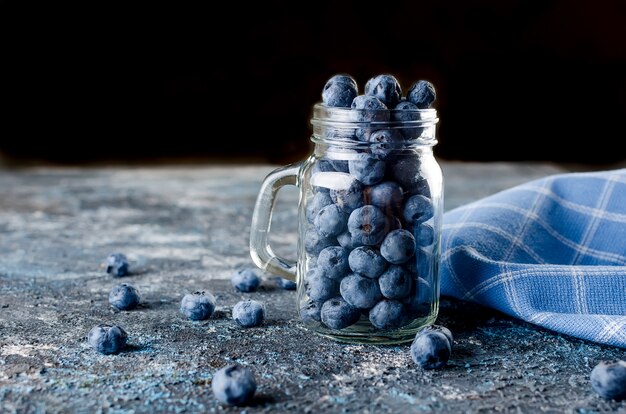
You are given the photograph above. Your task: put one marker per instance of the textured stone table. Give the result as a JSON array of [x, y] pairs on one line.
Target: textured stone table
[[185, 229]]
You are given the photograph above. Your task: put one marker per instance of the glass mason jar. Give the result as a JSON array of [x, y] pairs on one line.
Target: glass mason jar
[[369, 225]]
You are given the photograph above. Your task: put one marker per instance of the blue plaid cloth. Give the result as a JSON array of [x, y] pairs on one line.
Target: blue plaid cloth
[[551, 252]]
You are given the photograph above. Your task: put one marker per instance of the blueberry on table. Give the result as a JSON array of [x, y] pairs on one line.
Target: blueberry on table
[[124, 297], [367, 261], [387, 196], [367, 225], [387, 314], [398, 246], [320, 288], [286, 284], [310, 311], [367, 169], [198, 306], [333, 262], [248, 313], [318, 202], [360, 292], [443, 330], [314, 242], [245, 280], [608, 379], [336, 313], [417, 209], [386, 88], [234, 385], [330, 220], [422, 94], [107, 339], [395, 282], [430, 349], [117, 264]]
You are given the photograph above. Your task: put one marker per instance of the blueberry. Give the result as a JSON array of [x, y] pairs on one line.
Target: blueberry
[[310, 311], [339, 91], [387, 314], [443, 330], [349, 198], [197, 306], [386, 88], [234, 385], [407, 112], [384, 142], [333, 262], [124, 297], [330, 221], [367, 169], [422, 94], [371, 109], [286, 284], [395, 282], [107, 339], [319, 201], [608, 379], [405, 170], [336, 313], [398, 246], [425, 235], [117, 264], [245, 280], [430, 349], [367, 225], [417, 209], [320, 288], [248, 313], [314, 242], [342, 78], [345, 240], [360, 292], [367, 261], [387, 196]]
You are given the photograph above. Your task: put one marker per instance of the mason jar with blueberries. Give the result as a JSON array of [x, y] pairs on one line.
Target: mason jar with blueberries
[[370, 211]]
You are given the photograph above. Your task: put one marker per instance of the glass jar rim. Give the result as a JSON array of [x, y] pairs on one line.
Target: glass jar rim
[[338, 125], [349, 118]]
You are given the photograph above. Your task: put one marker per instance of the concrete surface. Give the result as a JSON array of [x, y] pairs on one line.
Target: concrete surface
[[186, 229]]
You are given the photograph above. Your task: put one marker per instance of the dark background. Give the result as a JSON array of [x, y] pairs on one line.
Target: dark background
[[516, 80]]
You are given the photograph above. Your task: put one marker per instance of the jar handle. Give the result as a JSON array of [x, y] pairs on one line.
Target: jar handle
[[260, 250]]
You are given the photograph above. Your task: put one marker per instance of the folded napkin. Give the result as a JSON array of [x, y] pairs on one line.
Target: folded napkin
[[551, 252]]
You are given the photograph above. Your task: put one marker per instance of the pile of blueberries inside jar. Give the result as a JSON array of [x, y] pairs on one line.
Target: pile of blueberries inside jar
[[370, 245], [359, 254]]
